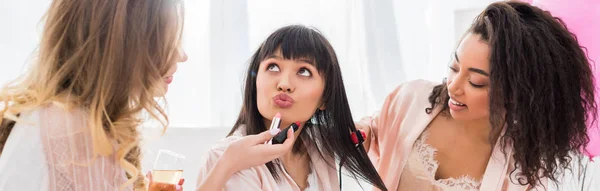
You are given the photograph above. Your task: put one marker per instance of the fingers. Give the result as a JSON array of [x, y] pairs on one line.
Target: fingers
[[179, 186], [274, 151], [164, 187], [264, 136], [158, 186], [366, 133], [289, 141]]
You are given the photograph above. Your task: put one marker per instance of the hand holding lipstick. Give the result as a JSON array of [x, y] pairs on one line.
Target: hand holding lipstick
[[275, 125], [245, 153], [251, 151], [280, 137]]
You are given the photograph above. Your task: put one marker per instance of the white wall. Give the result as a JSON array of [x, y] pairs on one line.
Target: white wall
[[20, 21]]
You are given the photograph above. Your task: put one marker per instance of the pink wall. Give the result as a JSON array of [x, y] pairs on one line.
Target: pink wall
[[583, 19]]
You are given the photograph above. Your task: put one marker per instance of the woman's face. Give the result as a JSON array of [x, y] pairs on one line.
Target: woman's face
[[168, 77], [292, 88], [469, 80]]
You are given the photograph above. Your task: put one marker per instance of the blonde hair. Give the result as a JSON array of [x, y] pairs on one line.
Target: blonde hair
[[108, 58]]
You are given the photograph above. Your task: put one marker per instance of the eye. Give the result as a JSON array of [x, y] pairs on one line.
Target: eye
[[476, 85], [273, 68], [453, 69], [305, 72]]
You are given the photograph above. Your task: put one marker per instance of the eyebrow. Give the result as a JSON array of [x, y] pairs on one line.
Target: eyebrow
[[280, 58], [476, 70], [456, 57], [479, 71]]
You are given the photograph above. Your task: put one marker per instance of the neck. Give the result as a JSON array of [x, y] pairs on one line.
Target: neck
[[291, 157], [478, 130], [296, 164]]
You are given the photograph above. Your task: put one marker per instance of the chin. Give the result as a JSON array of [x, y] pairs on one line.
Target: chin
[[460, 116], [166, 88], [466, 116]]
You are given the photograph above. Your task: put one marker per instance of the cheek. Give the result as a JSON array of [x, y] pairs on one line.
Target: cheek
[[172, 70], [312, 97], [262, 94], [482, 102], [315, 98]]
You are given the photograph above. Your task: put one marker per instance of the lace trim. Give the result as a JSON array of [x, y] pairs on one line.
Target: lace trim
[[427, 153], [61, 151], [67, 147]]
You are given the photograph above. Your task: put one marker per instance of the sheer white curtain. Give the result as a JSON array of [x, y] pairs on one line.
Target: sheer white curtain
[[380, 44], [361, 32], [208, 88]]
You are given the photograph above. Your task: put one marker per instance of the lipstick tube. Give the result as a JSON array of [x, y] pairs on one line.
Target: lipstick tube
[[274, 124], [280, 138]]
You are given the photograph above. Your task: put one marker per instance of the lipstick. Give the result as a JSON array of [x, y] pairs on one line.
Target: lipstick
[[274, 124], [280, 138]]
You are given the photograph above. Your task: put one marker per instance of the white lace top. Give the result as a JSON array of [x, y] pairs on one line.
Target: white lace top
[[419, 172], [50, 149]]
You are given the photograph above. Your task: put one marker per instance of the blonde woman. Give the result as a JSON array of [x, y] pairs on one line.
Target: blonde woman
[[71, 122]]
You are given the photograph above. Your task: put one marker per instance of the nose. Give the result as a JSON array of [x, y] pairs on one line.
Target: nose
[[285, 84], [183, 56], [454, 85]]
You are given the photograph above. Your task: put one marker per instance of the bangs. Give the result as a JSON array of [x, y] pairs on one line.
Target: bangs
[[298, 43]]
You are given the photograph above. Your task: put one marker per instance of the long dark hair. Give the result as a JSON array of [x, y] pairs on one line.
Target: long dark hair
[[330, 128], [542, 88]]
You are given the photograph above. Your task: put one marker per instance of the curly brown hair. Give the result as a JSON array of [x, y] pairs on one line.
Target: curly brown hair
[[541, 92]]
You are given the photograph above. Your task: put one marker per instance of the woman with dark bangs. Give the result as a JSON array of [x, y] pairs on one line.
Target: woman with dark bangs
[[295, 75]]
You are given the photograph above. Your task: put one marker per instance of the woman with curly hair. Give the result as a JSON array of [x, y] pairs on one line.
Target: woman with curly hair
[[511, 115]]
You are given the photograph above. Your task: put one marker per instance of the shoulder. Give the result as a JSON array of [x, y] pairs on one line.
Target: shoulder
[[58, 120], [415, 88], [220, 146], [217, 149], [411, 95], [247, 178]]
